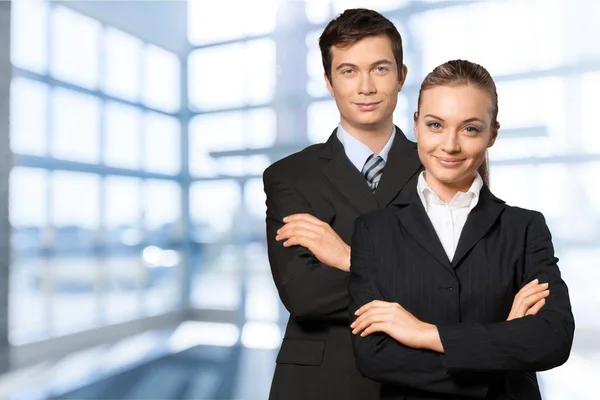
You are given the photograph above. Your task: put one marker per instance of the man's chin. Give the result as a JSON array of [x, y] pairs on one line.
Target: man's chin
[[371, 122]]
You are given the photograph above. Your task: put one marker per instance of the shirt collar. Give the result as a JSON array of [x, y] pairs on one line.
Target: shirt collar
[[461, 199], [358, 152]]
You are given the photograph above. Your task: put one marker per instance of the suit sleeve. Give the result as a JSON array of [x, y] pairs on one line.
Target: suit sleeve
[[536, 342], [307, 288], [382, 358]]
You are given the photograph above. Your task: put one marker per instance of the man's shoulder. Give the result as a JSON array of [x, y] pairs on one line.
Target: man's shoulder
[[296, 164]]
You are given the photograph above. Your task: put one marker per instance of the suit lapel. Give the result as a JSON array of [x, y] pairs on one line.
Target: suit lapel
[[346, 178], [414, 219], [479, 222], [402, 163]]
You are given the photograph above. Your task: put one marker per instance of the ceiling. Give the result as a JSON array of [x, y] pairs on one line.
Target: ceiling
[[162, 22]]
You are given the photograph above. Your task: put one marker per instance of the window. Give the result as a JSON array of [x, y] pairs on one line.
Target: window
[[217, 21], [28, 197], [515, 184], [29, 27], [161, 79], [122, 208], [28, 117], [162, 209], [75, 126], [75, 211], [162, 141], [122, 263], [255, 198], [74, 47], [28, 218], [75, 200], [233, 75], [161, 258], [590, 139], [122, 64], [316, 86], [536, 30], [536, 103], [122, 135], [217, 221], [245, 129], [380, 5], [323, 118], [318, 11]]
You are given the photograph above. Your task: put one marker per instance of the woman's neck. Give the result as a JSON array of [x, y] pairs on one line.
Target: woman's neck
[[447, 190]]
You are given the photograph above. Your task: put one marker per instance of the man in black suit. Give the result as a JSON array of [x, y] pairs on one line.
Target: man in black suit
[[315, 196]]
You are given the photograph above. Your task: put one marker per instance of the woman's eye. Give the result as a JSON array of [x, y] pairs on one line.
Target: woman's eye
[[434, 125]]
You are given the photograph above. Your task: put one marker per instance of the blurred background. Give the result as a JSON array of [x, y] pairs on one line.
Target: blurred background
[[134, 135]]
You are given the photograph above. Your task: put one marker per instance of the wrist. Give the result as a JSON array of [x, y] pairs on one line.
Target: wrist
[[345, 264], [431, 338]]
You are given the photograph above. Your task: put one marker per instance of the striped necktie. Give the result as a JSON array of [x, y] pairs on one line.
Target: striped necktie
[[372, 170]]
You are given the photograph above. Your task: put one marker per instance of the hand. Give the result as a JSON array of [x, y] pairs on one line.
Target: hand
[[318, 237], [530, 299], [394, 320]]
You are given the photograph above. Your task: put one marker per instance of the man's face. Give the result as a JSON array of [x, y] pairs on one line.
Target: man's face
[[365, 81]]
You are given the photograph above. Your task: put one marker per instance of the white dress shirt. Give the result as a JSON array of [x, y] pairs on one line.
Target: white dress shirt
[[358, 152], [448, 220]]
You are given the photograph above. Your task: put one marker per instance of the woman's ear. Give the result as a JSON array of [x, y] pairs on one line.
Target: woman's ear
[[494, 134], [415, 119]]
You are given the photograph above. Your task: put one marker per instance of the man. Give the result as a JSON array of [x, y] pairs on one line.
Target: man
[[314, 197]]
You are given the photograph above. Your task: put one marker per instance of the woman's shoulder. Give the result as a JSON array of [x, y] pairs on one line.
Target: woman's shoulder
[[522, 216], [378, 218]]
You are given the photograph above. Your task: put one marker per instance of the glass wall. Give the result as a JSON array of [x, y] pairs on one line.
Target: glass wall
[[95, 192], [136, 171]]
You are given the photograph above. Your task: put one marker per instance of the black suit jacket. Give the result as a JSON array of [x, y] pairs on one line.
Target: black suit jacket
[[315, 360], [397, 257]]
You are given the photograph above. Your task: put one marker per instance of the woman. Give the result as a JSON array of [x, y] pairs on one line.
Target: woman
[[433, 279]]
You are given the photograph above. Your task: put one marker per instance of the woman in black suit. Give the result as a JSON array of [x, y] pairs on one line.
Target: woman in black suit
[[433, 279]]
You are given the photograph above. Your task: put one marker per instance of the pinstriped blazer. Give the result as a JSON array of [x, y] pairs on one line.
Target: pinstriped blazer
[[397, 257]]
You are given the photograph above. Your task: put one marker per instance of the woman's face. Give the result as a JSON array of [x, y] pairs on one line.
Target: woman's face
[[454, 129]]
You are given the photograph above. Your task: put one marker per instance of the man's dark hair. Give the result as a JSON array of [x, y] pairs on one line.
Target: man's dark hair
[[356, 24]]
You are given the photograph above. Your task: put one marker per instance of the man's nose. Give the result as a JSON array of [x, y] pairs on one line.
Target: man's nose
[[366, 84]]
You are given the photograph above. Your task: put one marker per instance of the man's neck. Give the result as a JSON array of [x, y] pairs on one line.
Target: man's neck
[[374, 137]]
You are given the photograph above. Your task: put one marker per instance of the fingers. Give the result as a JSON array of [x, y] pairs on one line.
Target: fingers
[[531, 284], [534, 299], [296, 231], [536, 307], [527, 299], [303, 217], [372, 304], [377, 327], [374, 316], [529, 291], [295, 227]]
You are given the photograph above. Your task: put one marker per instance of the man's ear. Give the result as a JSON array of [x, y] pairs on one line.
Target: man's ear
[[402, 72]]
